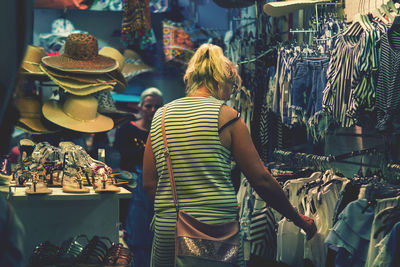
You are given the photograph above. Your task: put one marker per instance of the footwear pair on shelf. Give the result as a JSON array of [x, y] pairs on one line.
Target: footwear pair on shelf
[[74, 180], [79, 251], [68, 166]]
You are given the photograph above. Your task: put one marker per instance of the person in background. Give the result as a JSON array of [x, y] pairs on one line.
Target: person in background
[[130, 140], [16, 19], [203, 133]]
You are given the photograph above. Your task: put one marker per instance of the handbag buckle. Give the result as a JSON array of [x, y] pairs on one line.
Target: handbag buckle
[[166, 152]]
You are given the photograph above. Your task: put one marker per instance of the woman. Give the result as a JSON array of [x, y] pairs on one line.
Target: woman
[[130, 140], [202, 135]]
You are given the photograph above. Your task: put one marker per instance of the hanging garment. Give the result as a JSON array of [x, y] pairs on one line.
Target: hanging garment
[[136, 23], [159, 6], [340, 75], [309, 81], [388, 87], [177, 43], [350, 236], [378, 221]]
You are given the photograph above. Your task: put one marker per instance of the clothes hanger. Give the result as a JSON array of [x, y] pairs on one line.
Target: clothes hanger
[[380, 15], [392, 7], [387, 12]]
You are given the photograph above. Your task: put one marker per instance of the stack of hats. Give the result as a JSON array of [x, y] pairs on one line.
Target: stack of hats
[[86, 75], [31, 119]]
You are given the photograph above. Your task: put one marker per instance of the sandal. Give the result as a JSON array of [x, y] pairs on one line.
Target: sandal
[[103, 182], [44, 254], [71, 249], [38, 187], [73, 183], [94, 253], [118, 256], [26, 147]]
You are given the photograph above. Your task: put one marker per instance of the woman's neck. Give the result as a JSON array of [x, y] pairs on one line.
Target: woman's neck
[[201, 91]]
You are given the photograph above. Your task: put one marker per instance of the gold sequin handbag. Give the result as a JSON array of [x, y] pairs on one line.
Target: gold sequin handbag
[[198, 243]]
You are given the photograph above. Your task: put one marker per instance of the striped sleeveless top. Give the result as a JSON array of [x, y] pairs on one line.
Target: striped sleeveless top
[[201, 164]]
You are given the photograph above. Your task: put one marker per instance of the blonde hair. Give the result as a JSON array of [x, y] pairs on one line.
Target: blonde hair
[[152, 91], [210, 68]]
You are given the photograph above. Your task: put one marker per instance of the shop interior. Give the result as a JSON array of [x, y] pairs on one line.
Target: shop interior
[[318, 95]]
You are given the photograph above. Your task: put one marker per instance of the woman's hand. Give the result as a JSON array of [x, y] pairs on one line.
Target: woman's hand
[[307, 224]]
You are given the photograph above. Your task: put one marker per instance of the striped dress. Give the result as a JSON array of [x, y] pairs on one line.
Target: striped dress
[[201, 166]]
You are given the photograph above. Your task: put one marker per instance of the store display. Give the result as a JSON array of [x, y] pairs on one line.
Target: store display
[[298, 92], [68, 166], [78, 113]]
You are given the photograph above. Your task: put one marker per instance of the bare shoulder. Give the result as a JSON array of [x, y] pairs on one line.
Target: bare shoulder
[[227, 113]]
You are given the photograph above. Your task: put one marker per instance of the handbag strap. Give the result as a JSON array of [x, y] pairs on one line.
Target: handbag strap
[[168, 159]]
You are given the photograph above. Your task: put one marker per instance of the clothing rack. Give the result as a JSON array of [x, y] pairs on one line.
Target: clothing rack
[[257, 57], [391, 172], [321, 162]]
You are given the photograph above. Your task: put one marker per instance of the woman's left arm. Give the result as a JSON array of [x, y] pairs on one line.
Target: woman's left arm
[[150, 177]]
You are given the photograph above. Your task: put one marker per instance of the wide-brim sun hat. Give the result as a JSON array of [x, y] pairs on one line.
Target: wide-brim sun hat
[[134, 65], [116, 74], [31, 62], [81, 56], [78, 113], [79, 84], [31, 119], [277, 9]]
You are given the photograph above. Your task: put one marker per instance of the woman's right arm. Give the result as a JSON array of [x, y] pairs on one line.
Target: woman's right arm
[[261, 180]]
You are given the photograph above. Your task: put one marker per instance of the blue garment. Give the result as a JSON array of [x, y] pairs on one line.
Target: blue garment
[[139, 237], [309, 81], [392, 243], [352, 233]]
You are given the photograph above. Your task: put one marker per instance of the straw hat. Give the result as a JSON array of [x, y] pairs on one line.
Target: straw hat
[[31, 119], [116, 74], [108, 108], [234, 3], [134, 65], [78, 113], [277, 9], [32, 59], [79, 84], [81, 56]]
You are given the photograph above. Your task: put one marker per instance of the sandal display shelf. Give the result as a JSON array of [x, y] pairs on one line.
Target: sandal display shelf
[[59, 216]]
